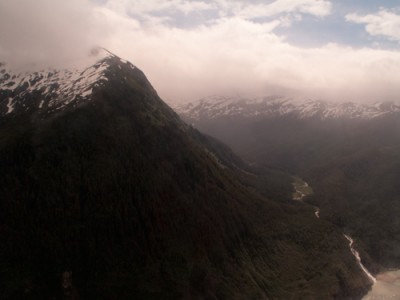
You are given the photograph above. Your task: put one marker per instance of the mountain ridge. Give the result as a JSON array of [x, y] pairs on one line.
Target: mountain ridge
[[279, 106], [350, 160]]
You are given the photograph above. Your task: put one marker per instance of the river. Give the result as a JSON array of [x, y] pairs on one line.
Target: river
[[387, 284]]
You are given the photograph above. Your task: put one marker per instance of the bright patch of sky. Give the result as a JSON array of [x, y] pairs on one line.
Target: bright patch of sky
[[340, 27], [306, 23]]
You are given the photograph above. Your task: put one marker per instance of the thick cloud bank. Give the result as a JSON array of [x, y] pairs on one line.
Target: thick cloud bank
[[191, 49], [47, 31]]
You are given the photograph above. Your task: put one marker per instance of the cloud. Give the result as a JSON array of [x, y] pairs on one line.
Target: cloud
[[311, 7], [248, 9], [234, 55], [140, 7], [384, 23], [47, 30], [285, 9], [223, 53]]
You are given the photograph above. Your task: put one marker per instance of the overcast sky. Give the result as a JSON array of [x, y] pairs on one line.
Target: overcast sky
[[341, 50]]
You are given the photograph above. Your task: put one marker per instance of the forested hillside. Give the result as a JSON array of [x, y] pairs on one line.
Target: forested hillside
[[351, 163], [113, 196]]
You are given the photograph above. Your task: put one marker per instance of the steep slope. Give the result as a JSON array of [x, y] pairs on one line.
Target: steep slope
[[351, 160], [107, 194]]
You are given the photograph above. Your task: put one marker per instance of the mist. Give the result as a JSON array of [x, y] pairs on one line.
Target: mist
[[227, 54], [47, 33]]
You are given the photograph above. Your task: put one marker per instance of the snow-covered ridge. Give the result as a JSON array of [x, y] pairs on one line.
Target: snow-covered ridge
[[219, 106], [52, 89]]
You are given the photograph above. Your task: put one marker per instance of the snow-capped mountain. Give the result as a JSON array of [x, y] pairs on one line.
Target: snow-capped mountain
[[272, 106], [52, 90]]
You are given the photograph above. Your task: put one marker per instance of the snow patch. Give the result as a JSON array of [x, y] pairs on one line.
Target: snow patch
[[58, 87], [10, 105], [87, 93], [215, 106]]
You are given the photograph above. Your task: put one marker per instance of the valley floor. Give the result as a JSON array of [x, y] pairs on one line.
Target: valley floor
[[387, 287]]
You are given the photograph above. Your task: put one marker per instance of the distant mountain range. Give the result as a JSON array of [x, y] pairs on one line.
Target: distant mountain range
[[278, 106], [107, 194], [348, 152]]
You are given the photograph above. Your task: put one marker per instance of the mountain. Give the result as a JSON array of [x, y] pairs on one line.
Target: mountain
[[278, 106], [49, 90], [107, 194], [347, 152]]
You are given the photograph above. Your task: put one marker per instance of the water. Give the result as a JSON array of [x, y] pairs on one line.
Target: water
[[386, 287], [358, 258]]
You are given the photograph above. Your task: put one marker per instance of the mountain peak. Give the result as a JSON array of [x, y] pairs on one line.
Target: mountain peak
[[53, 89]]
